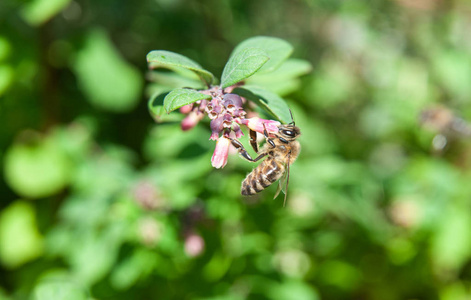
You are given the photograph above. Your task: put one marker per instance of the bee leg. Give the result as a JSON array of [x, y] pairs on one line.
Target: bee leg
[[269, 140], [244, 152], [253, 140]]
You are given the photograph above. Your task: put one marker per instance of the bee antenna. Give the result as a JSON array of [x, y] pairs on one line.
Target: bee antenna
[[292, 119]]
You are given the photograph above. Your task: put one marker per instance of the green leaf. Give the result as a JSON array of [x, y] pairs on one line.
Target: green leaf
[[242, 65], [94, 254], [283, 80], [133, 268], [269, 101], [5, 48], [59, 288], [7, 75], [281, 88], [107, 80], [453, 70], [292, 290], [451, 247], [38, 169], [157, 111], [289, 69], [277, 50], [20, 240], [180, 97], [167, 59], [39, 11], [342, 275], [156, 106], [175, 80]]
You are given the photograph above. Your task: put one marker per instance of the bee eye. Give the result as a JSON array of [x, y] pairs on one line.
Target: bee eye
[[288, 133]]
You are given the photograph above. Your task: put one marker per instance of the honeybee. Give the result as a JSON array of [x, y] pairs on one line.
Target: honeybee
[[281, 151]]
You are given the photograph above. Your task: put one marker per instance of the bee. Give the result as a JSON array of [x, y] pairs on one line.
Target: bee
[[281, 150]]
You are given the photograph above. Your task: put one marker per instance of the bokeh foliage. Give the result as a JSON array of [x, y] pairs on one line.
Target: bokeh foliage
[[100, 202]]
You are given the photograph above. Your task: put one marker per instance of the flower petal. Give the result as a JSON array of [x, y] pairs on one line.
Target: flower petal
[[221, 152], [257, 124], [191, 120]]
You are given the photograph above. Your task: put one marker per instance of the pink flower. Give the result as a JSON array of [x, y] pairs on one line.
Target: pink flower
[[256, 124], [186, 108], [237, 131], [221, 152], [232, 100], [191, 120], [227, 121], [216, 127], [194, 245]]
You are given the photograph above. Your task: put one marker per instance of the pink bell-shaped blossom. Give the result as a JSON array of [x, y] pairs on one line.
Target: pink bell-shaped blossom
[[257, 124], [185, 109], [221, 152], [237, 131], [216, 126], [191, 120], [194, 245]]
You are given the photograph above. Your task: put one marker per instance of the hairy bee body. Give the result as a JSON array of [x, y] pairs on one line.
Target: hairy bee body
[[262, 177], [281, 151]]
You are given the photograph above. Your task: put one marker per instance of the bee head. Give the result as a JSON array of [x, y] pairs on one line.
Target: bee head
[[289, 132]]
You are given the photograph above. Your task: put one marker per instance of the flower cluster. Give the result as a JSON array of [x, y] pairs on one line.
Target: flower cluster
[[224, 113], [227, 114]]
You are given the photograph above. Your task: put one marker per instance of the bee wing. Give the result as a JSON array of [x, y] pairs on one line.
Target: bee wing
[[282, 186]]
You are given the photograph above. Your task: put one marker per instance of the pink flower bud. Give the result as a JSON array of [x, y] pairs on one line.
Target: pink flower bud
[[203, 105], [227, 121], [232, 99], [221, 152], [256, 124], [214, 136], [212, 115], [216, 127], [191, 120], [194, 245], [230, 107], [237, 131], [186, 108], [218, 109], [239, 113], [212, 103]]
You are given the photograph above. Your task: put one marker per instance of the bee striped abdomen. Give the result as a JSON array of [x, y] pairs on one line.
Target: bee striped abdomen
[[262, 176]]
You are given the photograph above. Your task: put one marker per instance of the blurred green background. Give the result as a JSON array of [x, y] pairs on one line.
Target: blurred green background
[[100, 202]]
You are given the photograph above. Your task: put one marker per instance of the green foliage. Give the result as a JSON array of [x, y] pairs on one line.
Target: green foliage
[[270, 101], [56, 284], [20, 240], [277, 50], [46, 164], [100, 202], [284, 79], [39, 11], [160, 58], [108, 81], [180, 97], [267, 56], [243, 64]]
